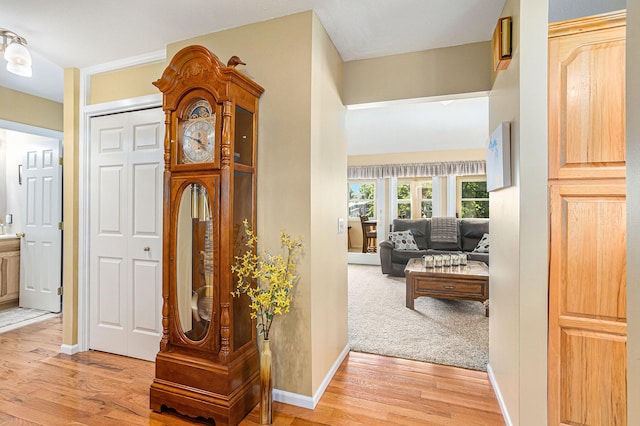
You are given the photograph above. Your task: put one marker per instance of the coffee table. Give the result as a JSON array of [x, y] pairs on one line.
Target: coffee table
[[468, 282]]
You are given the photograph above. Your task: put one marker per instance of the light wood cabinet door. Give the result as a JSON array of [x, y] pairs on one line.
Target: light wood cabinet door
[[9, 272], [587, 276], [587, 305], [587, 98]]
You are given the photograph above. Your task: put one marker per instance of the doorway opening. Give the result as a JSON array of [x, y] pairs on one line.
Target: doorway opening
[[30, 223]]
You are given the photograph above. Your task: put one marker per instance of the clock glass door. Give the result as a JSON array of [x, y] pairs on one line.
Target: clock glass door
[[194, 262], [243, 137]]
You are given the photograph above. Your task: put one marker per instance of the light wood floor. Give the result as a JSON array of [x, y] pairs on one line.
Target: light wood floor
[[41, 386]]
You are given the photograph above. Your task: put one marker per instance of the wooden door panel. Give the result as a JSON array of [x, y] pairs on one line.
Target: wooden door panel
[[590, 84], [594, 249], [587, 104], [593, 389], [587, 305]]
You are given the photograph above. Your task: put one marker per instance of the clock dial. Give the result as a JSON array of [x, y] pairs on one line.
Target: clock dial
[[198, 141], [199, 109]]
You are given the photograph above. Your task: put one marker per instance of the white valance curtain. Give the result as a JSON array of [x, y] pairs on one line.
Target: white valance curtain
[[448, 168]]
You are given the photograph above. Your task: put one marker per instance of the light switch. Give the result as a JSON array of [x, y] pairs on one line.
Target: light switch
[[340, 225], [8, 219]]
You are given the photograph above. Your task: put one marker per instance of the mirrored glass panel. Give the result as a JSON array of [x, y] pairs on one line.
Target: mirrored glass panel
[[194, 262]]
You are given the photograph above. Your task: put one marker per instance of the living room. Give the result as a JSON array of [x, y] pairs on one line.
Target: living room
[[405, 179], [424, 133]]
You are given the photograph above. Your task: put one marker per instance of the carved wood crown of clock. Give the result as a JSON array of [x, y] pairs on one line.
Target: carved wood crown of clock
[[198, 134]]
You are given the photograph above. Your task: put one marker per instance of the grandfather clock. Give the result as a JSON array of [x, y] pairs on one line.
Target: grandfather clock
[[207, 365]]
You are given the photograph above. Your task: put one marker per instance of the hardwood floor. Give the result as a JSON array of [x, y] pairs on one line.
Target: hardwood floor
[[41, 386]]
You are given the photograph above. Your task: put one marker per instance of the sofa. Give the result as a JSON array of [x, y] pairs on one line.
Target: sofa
[[470, 232]]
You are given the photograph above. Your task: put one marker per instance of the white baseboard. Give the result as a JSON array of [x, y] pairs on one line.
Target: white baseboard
[[496, 389], [70, 349], [293, 399], [307, 401]]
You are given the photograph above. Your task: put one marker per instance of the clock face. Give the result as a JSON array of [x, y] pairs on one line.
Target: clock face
[[198, 133], [198, 140]]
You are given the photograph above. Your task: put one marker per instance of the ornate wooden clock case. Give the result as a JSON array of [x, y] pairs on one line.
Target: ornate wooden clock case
[[207, 365]]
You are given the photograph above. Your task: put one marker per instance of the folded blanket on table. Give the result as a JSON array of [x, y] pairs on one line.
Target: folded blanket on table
[[444, 229]]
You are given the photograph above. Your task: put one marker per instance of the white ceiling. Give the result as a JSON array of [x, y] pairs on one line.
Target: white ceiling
[[70, 33], [410, 127]]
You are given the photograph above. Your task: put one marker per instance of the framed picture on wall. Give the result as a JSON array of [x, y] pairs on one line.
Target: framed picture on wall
[[499, 157]]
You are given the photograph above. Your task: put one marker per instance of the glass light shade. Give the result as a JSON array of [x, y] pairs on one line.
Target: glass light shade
[[21, 70], [18, 59], [18, 54]]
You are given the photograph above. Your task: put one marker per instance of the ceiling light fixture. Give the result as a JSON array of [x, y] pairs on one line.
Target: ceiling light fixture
[[15, 52]]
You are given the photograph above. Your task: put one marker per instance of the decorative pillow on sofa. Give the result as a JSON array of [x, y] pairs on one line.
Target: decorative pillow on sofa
[[483, 245], [403, 240]]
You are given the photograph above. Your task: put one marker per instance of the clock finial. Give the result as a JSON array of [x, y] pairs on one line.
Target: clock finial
[[234, 61]]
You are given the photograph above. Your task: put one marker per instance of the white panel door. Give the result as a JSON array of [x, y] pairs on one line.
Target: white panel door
[[125, 247], [41, 247]]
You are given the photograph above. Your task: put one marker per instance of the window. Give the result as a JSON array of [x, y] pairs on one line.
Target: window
[[362, 196], [426, 198], [414, 198], [473, 196], [404, 200]]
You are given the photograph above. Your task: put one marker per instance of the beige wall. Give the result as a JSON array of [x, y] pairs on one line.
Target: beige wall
[[534, 214], [70, 206], [504, 349], [446, 71], [633, 210], [518, 328], [329, 334], [22, 108], [125, 83]]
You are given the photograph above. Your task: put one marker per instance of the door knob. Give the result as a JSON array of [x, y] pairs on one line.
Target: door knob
[[20, 234], [147, 248]]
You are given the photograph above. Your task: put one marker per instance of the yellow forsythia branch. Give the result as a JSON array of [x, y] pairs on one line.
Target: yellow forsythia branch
[[267, 279]]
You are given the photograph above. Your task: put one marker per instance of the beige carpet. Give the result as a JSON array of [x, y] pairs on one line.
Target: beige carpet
[[449, 332]]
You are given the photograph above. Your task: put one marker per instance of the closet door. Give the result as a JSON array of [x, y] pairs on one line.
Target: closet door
[[125, 289], [587, 277]]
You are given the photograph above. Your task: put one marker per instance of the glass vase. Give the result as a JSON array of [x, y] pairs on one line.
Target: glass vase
[[266, 385]]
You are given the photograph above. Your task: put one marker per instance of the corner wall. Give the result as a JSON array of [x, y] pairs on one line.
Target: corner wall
[[519, 223], [328, 254], [70, 203]]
